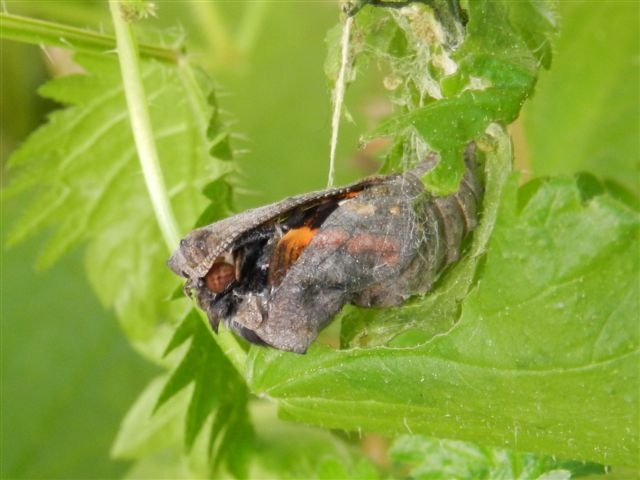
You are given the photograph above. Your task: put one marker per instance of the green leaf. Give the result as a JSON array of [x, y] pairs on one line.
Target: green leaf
[[480, 367], [219, 193], [183, 332], [143, 432], [334, 467], [495, 72], [433, 459], [585, 113], [91, 190], [543, 356], [154, 440], [288, 451], [87, 187], [218, 388]]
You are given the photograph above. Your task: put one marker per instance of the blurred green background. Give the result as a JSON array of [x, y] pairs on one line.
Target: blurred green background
[[68, 373]]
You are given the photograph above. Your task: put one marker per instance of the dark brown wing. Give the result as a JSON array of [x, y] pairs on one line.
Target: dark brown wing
[[199, 249]]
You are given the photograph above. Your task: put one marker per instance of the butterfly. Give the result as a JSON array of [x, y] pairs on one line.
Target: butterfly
[[277, 274]]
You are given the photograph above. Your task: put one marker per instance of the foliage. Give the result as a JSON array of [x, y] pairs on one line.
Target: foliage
[[83, 163], [529, 343], [427, 458], [533, 351]]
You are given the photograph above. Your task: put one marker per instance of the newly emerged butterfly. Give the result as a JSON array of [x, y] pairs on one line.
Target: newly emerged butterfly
[[277, 274]]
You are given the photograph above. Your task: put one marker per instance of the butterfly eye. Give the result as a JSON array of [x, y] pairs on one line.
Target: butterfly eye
[[220, 275]]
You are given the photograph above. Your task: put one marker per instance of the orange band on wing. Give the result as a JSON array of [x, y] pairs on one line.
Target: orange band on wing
[[287, 251]]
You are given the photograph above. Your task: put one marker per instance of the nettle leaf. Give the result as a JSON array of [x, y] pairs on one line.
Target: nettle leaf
[[286, 450], [86, 184], [452, 86], [256, 445], [543, 358], [217, 388], [144, 433], [455, 92], [426, 458], [88, 187]]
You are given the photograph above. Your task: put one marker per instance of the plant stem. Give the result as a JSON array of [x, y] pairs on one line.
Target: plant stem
[[39, 32], [338, 98], [141, 126], [148, 155]]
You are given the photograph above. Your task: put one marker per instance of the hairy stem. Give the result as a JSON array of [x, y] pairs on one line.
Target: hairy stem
[[148, 154], [141, 126]]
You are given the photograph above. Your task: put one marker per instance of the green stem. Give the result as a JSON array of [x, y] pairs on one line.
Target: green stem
[[141, 126], [39, 32], [148, 155]]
